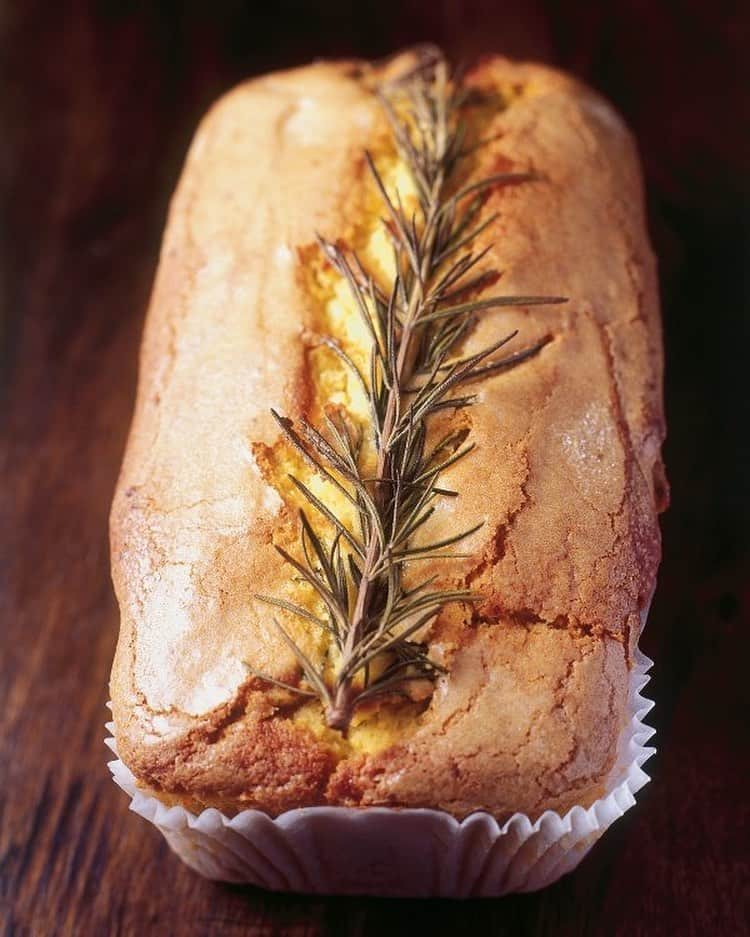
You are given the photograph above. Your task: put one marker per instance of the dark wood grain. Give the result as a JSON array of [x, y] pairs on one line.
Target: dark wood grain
[[97, 104]]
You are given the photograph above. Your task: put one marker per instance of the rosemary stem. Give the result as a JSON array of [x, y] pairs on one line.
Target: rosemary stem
[[339, 713]]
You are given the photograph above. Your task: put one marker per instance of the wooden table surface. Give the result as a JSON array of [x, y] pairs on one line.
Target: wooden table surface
[[97, 104]]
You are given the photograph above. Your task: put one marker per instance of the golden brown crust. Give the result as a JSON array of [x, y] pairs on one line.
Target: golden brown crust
[[567, 472], [527, 725]]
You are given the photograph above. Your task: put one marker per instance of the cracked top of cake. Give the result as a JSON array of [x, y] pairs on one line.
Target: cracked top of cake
[[566, 475]]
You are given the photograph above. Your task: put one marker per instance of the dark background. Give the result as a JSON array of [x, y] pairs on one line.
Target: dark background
[[97, 105]]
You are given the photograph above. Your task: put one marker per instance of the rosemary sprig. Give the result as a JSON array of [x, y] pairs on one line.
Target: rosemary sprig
[[371, 618]]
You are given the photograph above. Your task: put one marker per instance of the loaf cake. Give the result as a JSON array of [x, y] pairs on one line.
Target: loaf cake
[[512, 697]]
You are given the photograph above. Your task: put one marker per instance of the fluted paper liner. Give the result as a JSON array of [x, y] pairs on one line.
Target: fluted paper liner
[[400, 852]]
